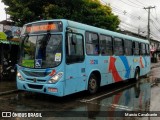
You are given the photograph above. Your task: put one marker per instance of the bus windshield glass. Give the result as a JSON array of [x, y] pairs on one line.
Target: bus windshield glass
[[41, 51]]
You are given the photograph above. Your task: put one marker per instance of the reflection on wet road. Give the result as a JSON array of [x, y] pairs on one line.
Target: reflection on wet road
[[117, 100]]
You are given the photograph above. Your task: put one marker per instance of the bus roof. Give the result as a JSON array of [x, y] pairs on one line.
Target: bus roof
[[86, 27], [104, 31]]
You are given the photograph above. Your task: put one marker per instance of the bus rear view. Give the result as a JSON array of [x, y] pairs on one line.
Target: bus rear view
[[40, 66]]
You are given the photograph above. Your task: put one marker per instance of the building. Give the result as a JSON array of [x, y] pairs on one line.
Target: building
[[154, 46], [9, 44]]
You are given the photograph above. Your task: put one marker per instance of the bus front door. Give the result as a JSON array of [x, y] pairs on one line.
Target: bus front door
[[75, 78], [75, 64]]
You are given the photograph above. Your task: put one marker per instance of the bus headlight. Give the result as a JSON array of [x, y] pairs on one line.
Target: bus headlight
[[56, 77], [19, 76]]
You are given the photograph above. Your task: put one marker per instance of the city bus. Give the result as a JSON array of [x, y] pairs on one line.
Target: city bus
[[61, 57]]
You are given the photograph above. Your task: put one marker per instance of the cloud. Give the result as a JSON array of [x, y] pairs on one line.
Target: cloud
[[2, 13], [133, 16]]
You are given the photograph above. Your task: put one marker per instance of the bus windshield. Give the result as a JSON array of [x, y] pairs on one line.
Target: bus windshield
[[41, 51]]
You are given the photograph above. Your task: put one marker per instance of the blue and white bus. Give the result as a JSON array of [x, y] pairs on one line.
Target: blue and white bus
[[60, 57]]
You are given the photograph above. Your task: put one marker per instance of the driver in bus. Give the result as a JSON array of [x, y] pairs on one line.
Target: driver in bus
[[41, 52]]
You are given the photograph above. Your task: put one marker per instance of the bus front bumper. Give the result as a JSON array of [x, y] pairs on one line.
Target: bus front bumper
[[52, 89]]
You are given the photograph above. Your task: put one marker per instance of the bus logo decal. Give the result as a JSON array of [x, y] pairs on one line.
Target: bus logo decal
[[113, 70], [93, 61], [46, 71], [141, 63], [38, 63], [34, 80], [125, 62]]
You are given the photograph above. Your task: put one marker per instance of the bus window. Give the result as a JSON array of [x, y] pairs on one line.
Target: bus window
[[142, 49], [28, 51], [136, 48], [41, 51], [106, 45], [74, 48], [92, 45], [128, 47], [147, 49], [118, 46]]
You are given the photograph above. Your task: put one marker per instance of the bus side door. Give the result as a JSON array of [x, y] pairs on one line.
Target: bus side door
[[75, 64]]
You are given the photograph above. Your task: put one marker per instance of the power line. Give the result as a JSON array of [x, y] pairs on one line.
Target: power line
[[135, 3], [118, 11], [129, 25], [156, 13], [123, 13], [141, 3], [128, 14], [155, 28], [155, 20], [128, 4], [154, 35]]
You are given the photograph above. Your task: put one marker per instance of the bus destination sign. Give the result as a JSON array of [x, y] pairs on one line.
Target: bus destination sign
[[43, 27]]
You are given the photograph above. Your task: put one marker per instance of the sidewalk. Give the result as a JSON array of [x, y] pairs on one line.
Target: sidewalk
[[154, 65], [9, 86]]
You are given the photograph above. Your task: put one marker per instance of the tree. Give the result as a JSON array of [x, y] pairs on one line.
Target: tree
[[90, 12]]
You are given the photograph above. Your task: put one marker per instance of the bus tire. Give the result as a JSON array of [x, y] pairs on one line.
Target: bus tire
[[93, 84], [136, 76]]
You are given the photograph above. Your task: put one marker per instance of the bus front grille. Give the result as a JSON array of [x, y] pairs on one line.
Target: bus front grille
[[35, 74], [38, 80], [35, 86]]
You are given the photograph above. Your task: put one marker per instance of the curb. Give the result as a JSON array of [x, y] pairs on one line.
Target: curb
[[155, 66], [156, 82], [8, 92]]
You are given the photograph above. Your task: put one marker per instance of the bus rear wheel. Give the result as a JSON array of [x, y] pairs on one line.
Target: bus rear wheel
[[136, 76], [93, 84]]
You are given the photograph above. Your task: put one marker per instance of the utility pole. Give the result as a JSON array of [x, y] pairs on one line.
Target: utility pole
[[138, 31], [150, 7]]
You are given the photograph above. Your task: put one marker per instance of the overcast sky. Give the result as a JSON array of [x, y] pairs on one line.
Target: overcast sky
[[2, 11], [132, 14]]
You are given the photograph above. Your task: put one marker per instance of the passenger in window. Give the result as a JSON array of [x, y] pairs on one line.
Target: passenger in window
[[103, 51], [96, 50], [126, 51]]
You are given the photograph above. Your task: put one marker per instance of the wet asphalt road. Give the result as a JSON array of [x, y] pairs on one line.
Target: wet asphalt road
[[112, 102]]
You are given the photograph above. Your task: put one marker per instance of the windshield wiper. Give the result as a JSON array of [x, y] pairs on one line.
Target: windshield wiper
[[48, 37]]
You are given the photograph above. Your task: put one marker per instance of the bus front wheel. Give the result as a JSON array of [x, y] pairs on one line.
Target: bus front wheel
[[92, 84]]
